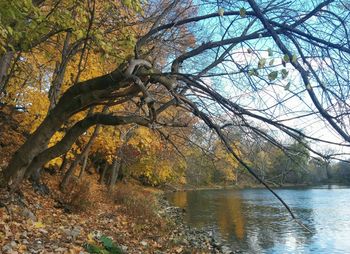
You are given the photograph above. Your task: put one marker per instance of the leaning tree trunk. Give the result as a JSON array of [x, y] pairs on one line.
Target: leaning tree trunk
[[64, 163], [55, 88], [78, 159], [35, 144], [74, 100]]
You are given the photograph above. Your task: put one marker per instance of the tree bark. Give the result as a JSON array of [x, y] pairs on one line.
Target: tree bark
[[78, 159], [84, 166], [60, 70], [114, 172], [102, 178], [5, 64], [64, 163]]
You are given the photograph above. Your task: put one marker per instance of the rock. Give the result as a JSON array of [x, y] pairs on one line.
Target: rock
[[97, 234], [226, 250], [61, 250], [75, 232], [124, 248], [72, 233], [179, 250], [13, 244], [28, 214], [24, 234], [38, 206], [7, 248], [43, 231]]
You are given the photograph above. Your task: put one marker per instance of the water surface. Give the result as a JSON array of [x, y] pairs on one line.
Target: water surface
[[253, 221]]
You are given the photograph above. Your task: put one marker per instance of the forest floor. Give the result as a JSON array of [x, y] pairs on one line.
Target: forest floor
[[87, 215]]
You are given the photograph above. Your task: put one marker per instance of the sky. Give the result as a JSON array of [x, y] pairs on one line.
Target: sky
[[257, 94]]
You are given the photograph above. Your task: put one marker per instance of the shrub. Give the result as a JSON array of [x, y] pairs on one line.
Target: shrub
[[77, 196], [136, 202]]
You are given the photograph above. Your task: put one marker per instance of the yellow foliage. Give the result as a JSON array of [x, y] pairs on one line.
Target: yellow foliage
[[225, 161], [157, 162]]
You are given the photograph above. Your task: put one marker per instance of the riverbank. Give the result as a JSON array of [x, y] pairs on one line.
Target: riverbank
[[34, 223], [197, 240]]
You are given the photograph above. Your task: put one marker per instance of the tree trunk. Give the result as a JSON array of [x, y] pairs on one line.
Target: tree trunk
[[75, 99], [84, 166], [60, 70], [102, 178], [5, 64], [64, 163], [78, 159], [114, 174], [117, 163]]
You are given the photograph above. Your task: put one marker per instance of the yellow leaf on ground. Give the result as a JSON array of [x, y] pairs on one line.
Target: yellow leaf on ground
[[39, 224]]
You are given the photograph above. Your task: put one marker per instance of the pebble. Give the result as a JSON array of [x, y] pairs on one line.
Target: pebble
[[43, 231], [226, 250], [13, 244], [61, 250], [7, 248], [144, 243], [124, 248], [28, 214], [204, 239]]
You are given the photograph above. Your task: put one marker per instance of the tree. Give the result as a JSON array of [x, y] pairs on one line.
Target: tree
[[257, 58]]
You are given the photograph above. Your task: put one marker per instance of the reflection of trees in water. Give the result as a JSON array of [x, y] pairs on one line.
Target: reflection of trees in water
[[229, 216], [250, 225], [204, 207], [180, 199], [270, 227]]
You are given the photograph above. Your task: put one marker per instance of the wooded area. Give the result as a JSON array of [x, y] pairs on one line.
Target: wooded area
[[173, 93]]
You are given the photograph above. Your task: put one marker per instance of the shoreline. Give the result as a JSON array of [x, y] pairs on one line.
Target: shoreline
[[200, 240]]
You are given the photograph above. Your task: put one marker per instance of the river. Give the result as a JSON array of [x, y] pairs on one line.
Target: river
[[253, 221]]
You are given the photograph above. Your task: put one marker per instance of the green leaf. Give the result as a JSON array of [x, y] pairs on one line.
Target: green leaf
[[92, 248], [294, 58], [286, 58], [261, 63], [107, 242], [273, 75], [284, 73], [269, 50], [127, 3], [287, 86], [10, 30], [242, 12], [253, 72], [110, 246], [221, 11], [271, 61]]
